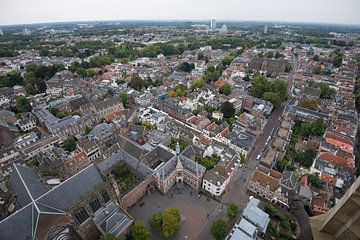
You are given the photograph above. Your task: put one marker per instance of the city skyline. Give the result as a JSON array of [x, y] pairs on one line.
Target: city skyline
[[41, 11]]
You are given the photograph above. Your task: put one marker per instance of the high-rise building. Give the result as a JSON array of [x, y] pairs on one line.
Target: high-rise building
[[342, 221], [213, 24], [265, 29]]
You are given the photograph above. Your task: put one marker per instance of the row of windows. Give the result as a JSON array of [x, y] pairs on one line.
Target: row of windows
[[95, 204]]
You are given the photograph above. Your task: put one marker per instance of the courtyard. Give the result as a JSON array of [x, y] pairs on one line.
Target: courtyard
[[198, 213]]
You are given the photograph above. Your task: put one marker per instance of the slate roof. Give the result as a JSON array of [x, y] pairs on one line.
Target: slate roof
[[26, 184], [256, 216], [117, 155], [111, 219], [22, 224], [102, 131]]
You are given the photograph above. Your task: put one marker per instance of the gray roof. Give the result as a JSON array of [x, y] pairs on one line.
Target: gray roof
[[239, 235], [159, 154], [130, 147], [26, 184], [214, 178], [247, 227], [256, 216], [102, 131], [23, 224], [118, 155], [242, 139], [72, 189], [111, 219]]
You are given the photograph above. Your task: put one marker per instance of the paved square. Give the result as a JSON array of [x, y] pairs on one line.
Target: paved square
[[198, 213]]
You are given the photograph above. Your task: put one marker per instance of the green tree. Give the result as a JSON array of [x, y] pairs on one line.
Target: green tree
[[109, 237], [228, 109], [232, 211], [30, 89], [22, 104], [70, 144], [272, 97], [225, 89], [148, 125], [269, 209], [136, 82], [124, 98], [186, 67], [259, 85], [171, 223], [314, 180], [140, 232], [218, 229], [156, 222]]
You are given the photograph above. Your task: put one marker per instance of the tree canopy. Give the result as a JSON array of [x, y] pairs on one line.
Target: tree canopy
[[70, 144], [166, 223], [11, 79], [232, 211], [225, 89], [186, 67], [171, 223], [218, 229], [274, 91], [22, 104], [140, 232], [228, 109]]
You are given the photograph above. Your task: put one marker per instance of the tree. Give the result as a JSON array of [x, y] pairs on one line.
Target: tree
[[108, 237], [314, 180], [218, 229], [225, 89], [228, 109], [70, 144], [272, 97], [148, 125], [22, 104], [40, 85], [232, 211], [11, 79], [30, 89], [269, 209], [124, 98], [171, 223], [140, 232], [156, 222], [186, 67], [136, 82], [311, 104], [259, 85]]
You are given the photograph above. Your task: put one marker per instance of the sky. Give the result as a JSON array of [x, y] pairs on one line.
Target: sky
[[315, 11]]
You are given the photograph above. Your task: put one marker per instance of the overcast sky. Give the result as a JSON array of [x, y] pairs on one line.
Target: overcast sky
[[322, 11]]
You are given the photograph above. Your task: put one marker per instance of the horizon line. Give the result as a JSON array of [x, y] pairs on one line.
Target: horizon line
[[185, 20]]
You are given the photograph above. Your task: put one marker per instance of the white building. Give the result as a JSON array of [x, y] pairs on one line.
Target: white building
[[27, 122], [213, 24]]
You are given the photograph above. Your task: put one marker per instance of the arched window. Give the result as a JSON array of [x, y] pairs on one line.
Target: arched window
[[105, 196], [95, 204], [81, 215]]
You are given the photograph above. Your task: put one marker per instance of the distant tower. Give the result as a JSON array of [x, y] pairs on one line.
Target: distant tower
[[213, 24], [265, 29], [1, 32]]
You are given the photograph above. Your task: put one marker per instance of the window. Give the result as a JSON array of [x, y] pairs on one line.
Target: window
[[105, 196], [81, 215], [95, 204]]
